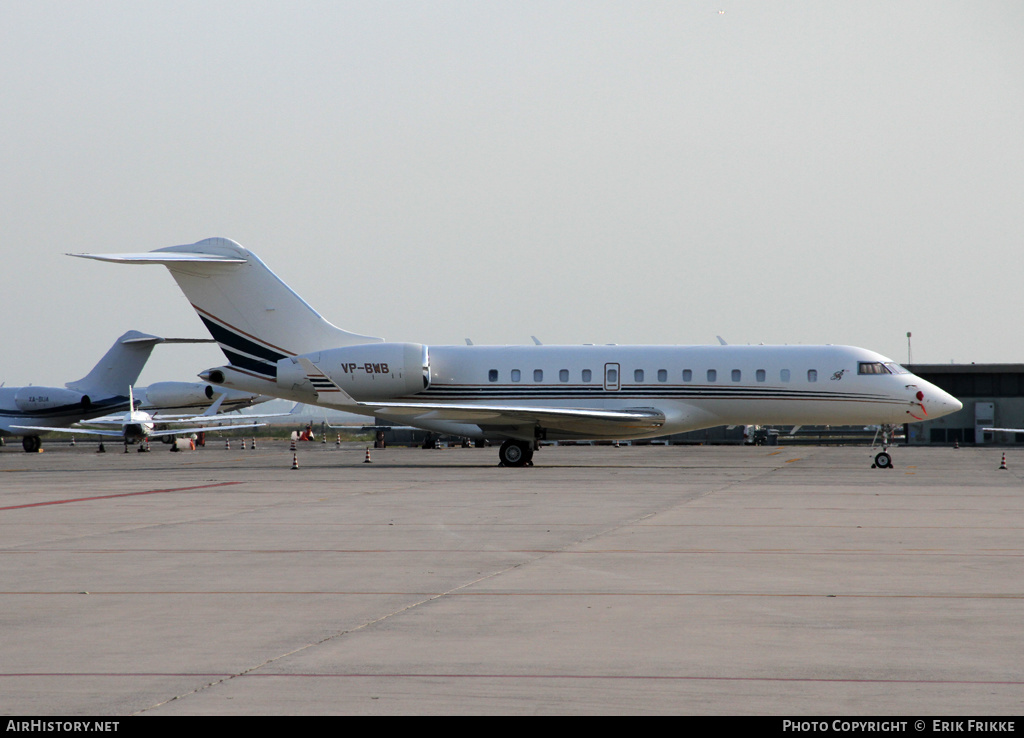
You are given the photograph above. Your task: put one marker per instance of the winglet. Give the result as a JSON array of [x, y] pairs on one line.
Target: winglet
[[215, 407]]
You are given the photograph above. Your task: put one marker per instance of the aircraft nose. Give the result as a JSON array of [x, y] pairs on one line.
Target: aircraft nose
[[938, 402]]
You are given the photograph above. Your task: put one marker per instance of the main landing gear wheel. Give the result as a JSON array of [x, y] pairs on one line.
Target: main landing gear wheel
[[515, 453], [882, 461], [31, 444]]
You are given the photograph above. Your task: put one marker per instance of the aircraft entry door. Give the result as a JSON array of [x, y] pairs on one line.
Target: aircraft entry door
[[611, 377]]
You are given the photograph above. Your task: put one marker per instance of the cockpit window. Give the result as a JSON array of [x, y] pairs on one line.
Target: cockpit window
[[872, 367], [896, 368]]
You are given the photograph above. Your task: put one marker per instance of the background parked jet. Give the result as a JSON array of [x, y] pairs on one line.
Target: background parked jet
[[31, 411], [100, 392], [138, 425]]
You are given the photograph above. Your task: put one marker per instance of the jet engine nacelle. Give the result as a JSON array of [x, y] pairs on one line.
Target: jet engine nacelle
[[375, 371], [178, 394], [30, 399]]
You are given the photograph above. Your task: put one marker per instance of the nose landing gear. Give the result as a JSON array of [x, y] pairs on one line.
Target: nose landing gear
[[882, 459]]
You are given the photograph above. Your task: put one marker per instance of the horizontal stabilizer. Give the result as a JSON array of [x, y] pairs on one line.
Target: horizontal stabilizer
[[189, 340], [165, 258]]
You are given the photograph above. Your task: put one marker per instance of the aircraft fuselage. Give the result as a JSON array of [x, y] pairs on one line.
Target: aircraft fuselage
[[693, 386]]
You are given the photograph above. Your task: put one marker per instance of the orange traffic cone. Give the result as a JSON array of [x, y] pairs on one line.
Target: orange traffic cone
[[295, 461], [1002, 464], [367, 460]]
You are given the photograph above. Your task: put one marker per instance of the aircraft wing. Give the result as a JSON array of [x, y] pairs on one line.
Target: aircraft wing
[[120, 433], [227, 417], [115, 419], [73, 431], [1005, 430], [201, 429], [589, 421], [213, 415]]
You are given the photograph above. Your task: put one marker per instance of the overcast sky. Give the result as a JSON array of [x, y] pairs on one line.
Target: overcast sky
[[586, 172]]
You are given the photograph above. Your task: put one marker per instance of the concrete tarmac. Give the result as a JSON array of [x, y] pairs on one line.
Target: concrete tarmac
[[634, 580]]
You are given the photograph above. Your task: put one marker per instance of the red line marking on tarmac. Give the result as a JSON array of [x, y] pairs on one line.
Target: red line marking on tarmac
[[122, 494]]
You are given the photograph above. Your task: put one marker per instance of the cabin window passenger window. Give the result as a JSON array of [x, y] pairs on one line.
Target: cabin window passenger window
[[492, 375], [612, 376], [638, 375], [538, 375], [784, 375], [712, 375], [761, 375], [687, 375], [586, 375], [515, 375], [563, 375], [812, 375], [737, 375], [662, 375]]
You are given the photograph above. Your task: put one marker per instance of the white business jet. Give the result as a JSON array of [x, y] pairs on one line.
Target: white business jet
[[136, 425], [276, 344]]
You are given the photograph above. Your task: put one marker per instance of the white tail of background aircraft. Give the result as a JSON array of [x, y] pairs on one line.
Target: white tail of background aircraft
[[119, 367], [276, 344]]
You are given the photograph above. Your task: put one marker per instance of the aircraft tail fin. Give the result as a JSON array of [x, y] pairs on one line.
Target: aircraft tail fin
[[254, 316], [120, 366]]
